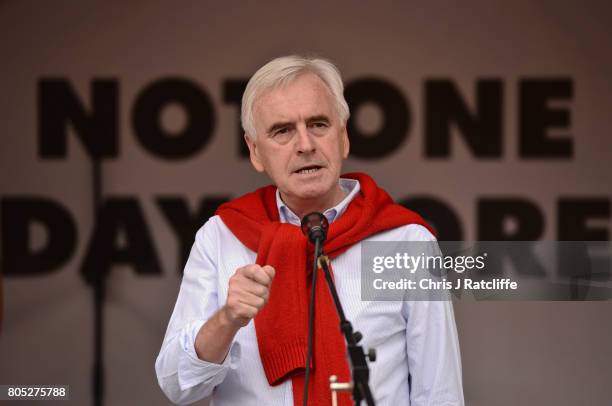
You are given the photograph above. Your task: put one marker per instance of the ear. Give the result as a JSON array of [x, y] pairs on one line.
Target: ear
[[253, 153], [346, 145]]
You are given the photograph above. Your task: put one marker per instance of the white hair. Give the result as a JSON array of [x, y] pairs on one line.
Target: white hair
[[283, 70]]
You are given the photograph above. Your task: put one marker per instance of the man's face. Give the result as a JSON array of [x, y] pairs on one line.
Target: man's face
[[301, 141]]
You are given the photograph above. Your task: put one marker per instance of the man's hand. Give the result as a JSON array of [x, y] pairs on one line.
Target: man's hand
[[249, 291]]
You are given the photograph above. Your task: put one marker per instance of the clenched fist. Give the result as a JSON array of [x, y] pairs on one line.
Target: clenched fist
[[249, 290]]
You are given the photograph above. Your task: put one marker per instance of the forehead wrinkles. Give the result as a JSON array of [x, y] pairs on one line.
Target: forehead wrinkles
[[318, 86]]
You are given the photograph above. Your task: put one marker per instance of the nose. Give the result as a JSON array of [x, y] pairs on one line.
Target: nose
[[304, 141]]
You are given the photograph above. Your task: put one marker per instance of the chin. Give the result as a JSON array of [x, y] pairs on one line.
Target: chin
[[311, 190], [309, 194], [319, 192]]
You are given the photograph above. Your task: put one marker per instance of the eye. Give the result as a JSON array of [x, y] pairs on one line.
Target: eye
[[318, 127], [280, 131], [282, 135]]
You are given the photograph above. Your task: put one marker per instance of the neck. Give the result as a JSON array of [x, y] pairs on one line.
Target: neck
[[301, 207]]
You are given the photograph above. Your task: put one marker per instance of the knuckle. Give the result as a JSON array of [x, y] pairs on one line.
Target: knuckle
[[261, 291], [233, 288], [260, 302], [242, 270], [232, 304], [235, 279]]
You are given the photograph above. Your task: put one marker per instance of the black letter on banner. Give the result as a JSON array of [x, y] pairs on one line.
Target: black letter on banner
[[396, 119], [536, 117], [481, 131], [18, 215], [147, 112], [184, 223], [438, 214], [58, 106], [529, 222], [232, 94], [120, 217], [493, 213], [573, 258], [573, 215]]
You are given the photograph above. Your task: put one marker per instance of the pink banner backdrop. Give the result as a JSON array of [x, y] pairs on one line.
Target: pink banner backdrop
[[492, 120]]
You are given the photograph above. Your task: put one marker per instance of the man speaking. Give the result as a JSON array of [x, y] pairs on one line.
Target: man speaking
[[239, 331]]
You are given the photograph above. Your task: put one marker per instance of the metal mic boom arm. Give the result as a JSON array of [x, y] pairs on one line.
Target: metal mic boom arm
[[359, 366]]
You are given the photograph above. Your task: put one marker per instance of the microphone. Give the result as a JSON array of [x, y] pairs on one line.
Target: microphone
[[314, 226]]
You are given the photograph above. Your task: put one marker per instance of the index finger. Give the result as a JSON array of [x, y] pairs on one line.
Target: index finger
[[258, 274]]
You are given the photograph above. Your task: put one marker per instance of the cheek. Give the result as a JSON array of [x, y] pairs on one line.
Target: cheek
[[276, 161], [337, 154], [345, 150]]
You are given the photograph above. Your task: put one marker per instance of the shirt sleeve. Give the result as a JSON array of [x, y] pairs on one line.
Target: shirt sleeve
[[434, 360], [182, 376]]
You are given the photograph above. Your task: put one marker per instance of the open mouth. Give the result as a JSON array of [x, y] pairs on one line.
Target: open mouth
[[308, 169]]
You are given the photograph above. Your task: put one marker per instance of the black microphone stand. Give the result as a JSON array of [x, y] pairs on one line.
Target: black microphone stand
[[98, 282], [314, 226], [359, 366]]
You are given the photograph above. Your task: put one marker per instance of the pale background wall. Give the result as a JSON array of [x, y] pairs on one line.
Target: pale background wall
[[513, 353]]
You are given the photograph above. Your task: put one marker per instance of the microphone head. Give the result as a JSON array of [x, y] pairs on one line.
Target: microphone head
[[314, 226]]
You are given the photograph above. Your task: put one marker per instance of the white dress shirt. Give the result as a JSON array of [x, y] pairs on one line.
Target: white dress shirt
[[410, 337]]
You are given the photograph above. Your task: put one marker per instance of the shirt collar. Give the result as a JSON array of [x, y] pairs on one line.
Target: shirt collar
[[349, 186]]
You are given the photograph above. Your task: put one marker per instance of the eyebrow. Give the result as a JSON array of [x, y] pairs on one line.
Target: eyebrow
[[277, 126], [283, 124], [320, 117]]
